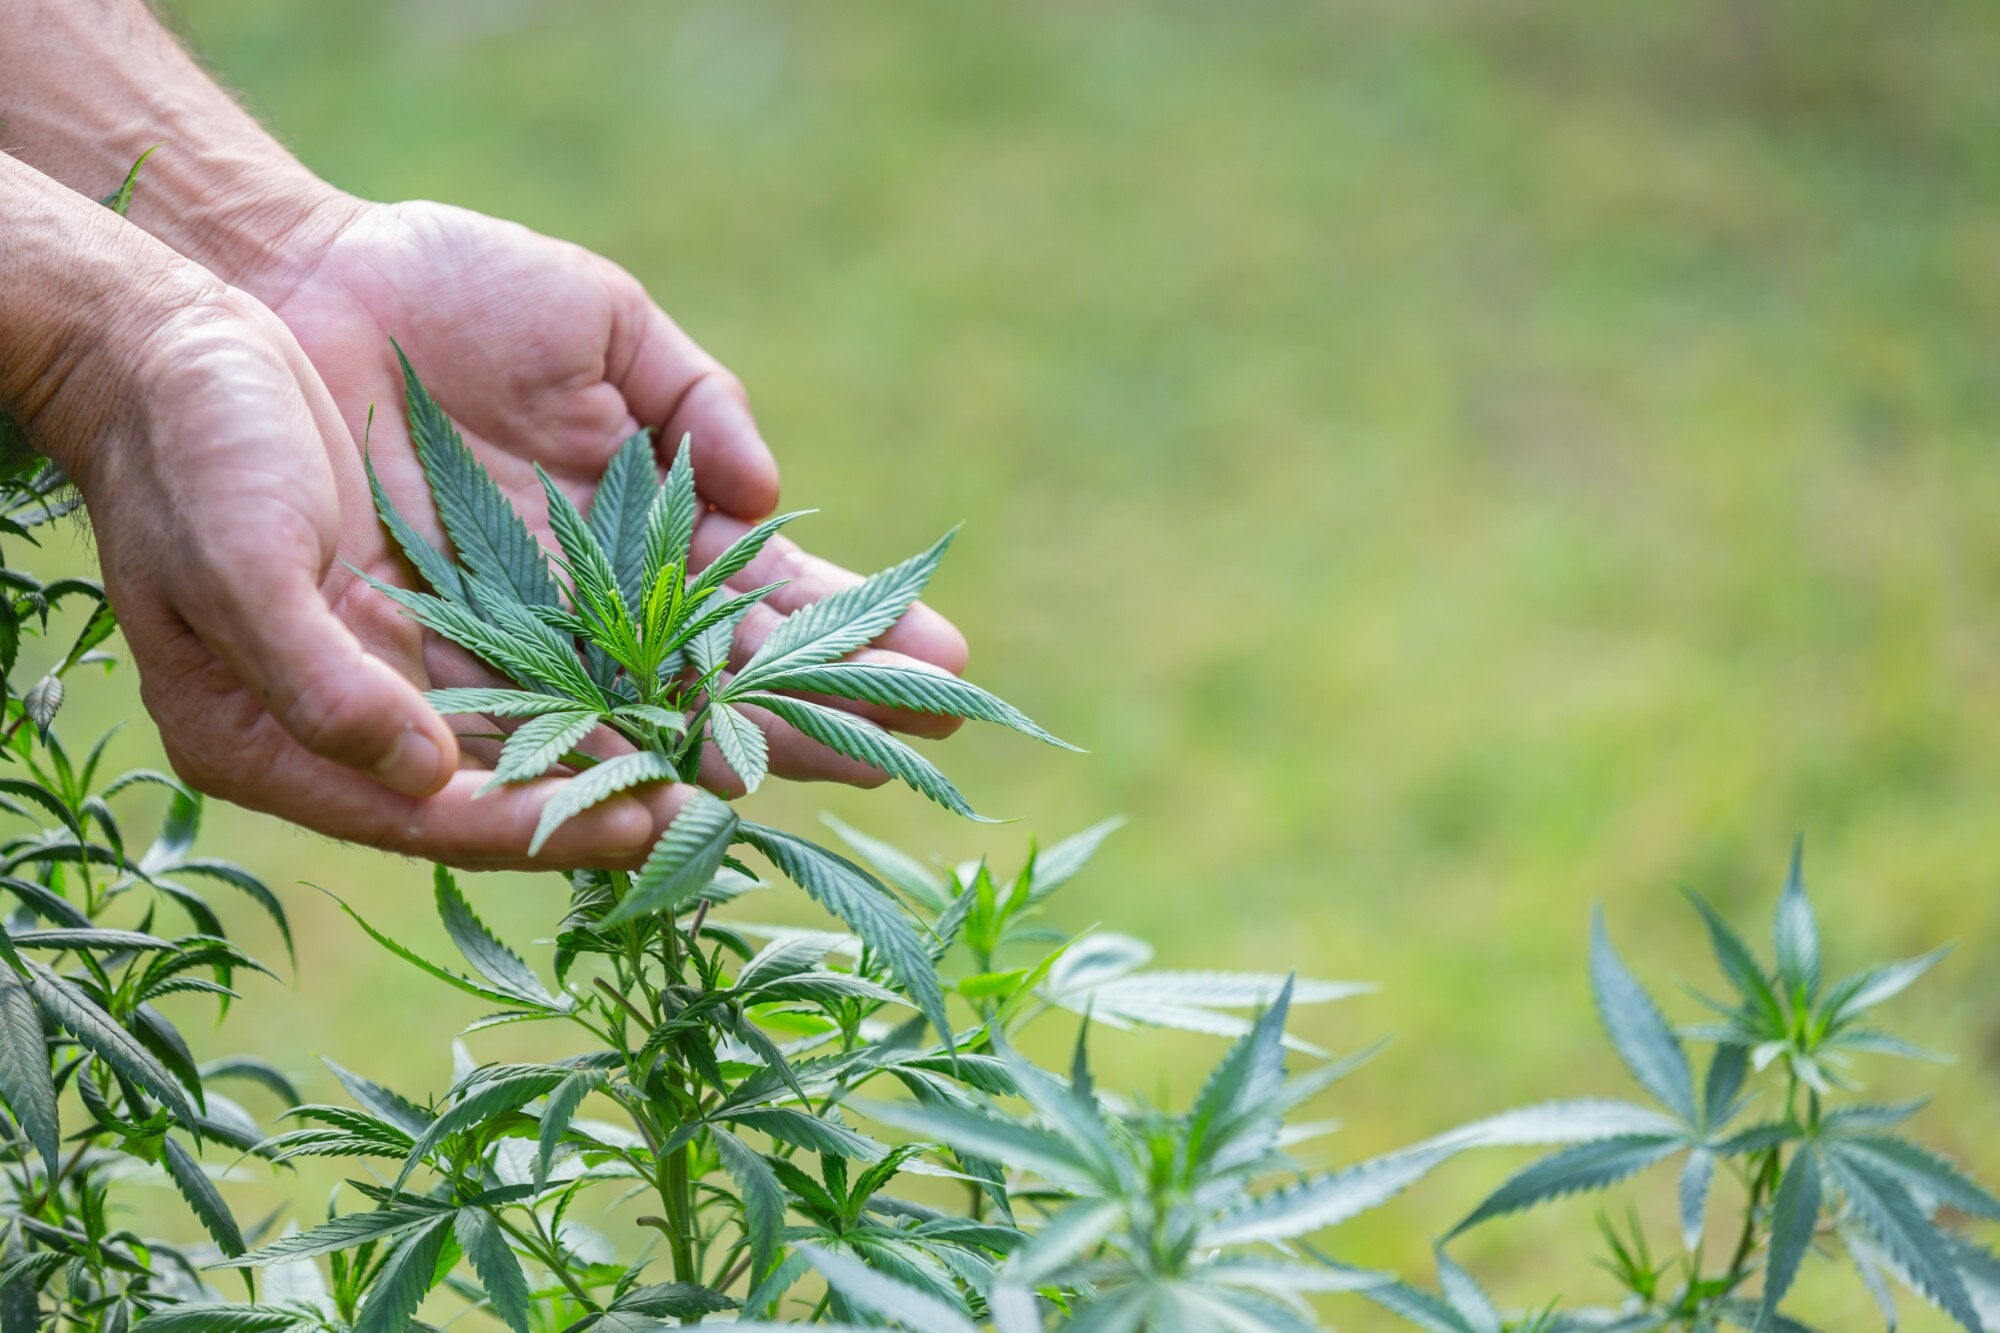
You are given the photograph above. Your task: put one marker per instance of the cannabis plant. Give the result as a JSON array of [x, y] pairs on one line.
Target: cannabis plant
[[107, 941], [1817, 1168]]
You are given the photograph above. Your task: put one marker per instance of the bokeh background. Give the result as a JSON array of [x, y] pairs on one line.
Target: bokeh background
[[1452, 463]]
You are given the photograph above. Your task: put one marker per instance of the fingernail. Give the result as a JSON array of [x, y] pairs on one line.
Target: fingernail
[[411, 767]]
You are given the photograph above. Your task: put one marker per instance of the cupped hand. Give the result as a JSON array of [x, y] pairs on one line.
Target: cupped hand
[[546, 354], [228, 501]]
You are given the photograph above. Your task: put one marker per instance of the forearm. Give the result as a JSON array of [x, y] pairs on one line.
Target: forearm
[[82, 296], [92, 84]]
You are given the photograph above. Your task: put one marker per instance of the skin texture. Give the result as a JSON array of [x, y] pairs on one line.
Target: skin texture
[[216, 433]]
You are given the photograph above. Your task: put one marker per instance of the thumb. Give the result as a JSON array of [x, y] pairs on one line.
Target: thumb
[[327, 691]]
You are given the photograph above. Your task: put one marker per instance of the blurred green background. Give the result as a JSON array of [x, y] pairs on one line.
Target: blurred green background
[[1451, 462]]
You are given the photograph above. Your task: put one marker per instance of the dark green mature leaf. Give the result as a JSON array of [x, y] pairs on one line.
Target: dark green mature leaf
[[435, 567], [203, 1317], [682, 863], [839, 623], [496, 703], [1794, 1215], [1796, 930], [739, 553], [383, 1103], [24, 1066], [490, 537], [762, 1196], [478, 1104], [741, 742], [557, 1114], [865, 904], [618, 513], [595, 581], [539, 743], [523, 648], [202, 1196], [252, 1069], [810, 1132], [597, 784], [673, 1300], [911, 688], [1320, 1201], [405, 1279], [1588, 1166], [486, 1248], [670, 516], [340, 1233], [1638, 1030], [72, 1010], [858, 738], [489, 957], [1885, 1211]]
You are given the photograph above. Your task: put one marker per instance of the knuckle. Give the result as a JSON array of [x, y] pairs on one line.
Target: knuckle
[[325, 716]]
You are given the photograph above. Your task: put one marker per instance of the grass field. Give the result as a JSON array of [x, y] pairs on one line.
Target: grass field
[[1452, 463]]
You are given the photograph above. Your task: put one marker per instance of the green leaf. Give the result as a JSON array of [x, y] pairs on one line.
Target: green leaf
[[596, 583], [72, 1010], [435, 567], [911, 688], [1589, 1166], [673, 1300], [670, 516], [1582, 1120], [1237, 1099], [839, 623], [909, 876], [1697, 1173], [618, 513], [885, 1297], [24, 1067], [1796, 931], [520, 647], [383, 1103], [496, 703], [1320, 1201], [492, 540], [539, 743], [201, 1195], [809, 1132], [763, 1198], [598, 784], [456, 980], [557, 1114], [202, 1317], [868, 908], [682, 862], [1021, 1146], [340, 1233], [489, 957], [741, 742], [1925, 1174], [499, 1271], [119, 200], [1885, 1211], [403, 1282], [860, 739], [738, 554], [478, 1104], [1855, 995], [1794, 1215], [1737, 962], [1637, 1028]]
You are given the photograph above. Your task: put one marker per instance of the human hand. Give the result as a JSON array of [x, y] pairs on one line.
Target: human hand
[[544, 353], [228, 503]]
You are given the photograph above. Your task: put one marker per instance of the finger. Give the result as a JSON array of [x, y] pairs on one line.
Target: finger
[[273, 627], [922, 633], [671, 383]]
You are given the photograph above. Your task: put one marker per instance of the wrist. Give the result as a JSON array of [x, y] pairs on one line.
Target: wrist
[[86, 303]]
